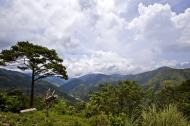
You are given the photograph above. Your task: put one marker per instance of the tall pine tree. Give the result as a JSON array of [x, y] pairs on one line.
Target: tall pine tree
[[42, 61]]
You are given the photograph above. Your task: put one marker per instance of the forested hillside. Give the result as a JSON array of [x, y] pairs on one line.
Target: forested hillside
[[80, 87]]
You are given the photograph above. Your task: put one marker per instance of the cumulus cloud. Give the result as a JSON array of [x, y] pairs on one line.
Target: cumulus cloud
[[161, 29], [44, 22], [107, 36], [100, 62]]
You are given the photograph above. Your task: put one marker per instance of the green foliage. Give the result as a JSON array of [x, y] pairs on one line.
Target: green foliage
[[37, 58], [99, 120], [120, 120], [126, 97], [130, 97], [178, 95], [167, 117], [81, 109], [15, 100], [122, 104], [62, 108], [12, 101], [104, 100], [38, 119]]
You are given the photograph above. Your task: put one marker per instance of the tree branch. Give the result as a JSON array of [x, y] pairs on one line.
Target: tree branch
[[40, 71], [44, 76]]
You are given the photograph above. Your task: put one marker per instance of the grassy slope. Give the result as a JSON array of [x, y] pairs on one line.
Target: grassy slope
[[38, 118]]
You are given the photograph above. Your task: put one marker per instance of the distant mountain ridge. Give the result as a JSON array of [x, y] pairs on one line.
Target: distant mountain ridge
[[81, 86]]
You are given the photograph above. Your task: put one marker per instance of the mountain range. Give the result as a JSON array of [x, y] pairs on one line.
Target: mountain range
[[81, 86]]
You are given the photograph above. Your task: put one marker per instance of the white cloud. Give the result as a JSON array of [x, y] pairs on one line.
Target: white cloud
[[109, 63], [44, 21], [101, 62], [160, 30], [109, 36]]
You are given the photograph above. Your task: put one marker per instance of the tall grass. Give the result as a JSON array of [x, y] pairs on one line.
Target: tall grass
[[169, 116]]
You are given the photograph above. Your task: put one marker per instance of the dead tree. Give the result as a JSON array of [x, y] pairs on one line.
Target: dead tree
[[48, 100]]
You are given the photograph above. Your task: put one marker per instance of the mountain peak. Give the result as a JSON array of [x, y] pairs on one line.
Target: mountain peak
[[164, 68]]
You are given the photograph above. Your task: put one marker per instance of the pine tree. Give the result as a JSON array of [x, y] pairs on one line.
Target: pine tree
[[42, 61]]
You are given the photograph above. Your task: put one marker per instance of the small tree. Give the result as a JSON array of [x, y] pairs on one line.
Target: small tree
[[125, 97], [40, 60]]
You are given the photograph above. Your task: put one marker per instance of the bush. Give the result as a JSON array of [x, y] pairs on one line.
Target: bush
[[61, 107], [12, 101], [120, 120]]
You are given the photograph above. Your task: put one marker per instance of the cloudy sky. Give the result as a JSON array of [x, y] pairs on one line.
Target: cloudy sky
[[106, 36]]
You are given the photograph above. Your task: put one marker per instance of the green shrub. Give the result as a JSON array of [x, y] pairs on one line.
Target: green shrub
[[12, 101], [61, 107], [120, 120]]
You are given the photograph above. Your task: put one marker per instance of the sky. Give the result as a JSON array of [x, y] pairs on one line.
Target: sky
[[102, 36]]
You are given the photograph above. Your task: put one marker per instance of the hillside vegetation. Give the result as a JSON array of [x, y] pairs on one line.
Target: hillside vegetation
[[125, 103]]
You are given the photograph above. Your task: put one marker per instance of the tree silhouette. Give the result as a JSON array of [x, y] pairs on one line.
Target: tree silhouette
[[42, 61]]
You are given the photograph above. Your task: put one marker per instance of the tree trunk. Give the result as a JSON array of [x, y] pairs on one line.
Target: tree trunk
[[32, 90]]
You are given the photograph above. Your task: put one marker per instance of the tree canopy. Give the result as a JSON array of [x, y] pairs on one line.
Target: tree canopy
[[43, 61]]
